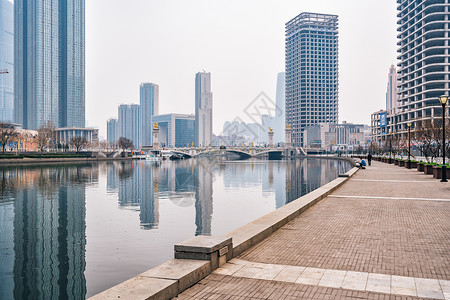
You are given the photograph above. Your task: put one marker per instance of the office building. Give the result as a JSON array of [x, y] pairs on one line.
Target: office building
[[64, 135], [280, 117], [112, 134], [203, 109], [423, 68], [175, 130], [129, 123], [329, 134], [49, 63], [311, 72], [6, 61], [149, 105], [392, 91]]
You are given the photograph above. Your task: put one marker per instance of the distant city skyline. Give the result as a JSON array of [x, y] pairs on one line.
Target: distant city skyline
[[244, 61]]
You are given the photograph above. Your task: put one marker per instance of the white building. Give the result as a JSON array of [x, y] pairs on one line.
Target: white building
[[203, 109]]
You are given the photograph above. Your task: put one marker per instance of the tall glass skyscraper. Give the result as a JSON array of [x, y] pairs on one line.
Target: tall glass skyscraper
[[203, 109], [149, 105], [6, 61], [49, 63], [311, 72]]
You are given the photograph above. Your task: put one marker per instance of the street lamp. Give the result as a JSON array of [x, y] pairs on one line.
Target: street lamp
[[390, 147], [409, 145], [443, 100]]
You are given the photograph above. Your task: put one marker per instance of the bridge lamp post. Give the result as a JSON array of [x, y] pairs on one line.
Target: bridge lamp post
[[443, 100], [409, 144]]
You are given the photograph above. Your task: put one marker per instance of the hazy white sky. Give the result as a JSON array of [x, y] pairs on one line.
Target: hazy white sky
[[241, 42]]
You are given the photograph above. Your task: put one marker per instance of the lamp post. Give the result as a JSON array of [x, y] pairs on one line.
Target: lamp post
[[409, 145], [443, 100], [390, 147]]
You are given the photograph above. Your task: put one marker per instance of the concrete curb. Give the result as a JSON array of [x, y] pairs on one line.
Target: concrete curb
[[173, 277]]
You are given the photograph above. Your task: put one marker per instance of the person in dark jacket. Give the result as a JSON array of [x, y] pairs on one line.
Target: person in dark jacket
[[369, 159]]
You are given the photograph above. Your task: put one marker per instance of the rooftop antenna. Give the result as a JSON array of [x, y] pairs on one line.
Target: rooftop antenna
[[203, 70]]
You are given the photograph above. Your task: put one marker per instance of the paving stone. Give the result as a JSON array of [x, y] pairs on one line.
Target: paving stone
[[332, 278], [290, 274], [379, 283], [355, 281]]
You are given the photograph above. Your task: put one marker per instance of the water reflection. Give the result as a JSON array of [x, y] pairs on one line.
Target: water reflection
[[67, 232], [43, 252]]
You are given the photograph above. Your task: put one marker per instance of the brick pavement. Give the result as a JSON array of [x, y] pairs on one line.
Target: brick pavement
[[393, 237]]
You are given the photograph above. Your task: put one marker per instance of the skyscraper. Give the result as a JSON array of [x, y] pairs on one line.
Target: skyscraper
[[424, 65], [6, 61], [391, 93], [149, 105], [311, 72], [49, 63], [112, 134], [129, 123], [203, 109], [280, 116]]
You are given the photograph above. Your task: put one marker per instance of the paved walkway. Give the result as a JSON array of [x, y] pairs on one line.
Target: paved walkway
[[385, 234]]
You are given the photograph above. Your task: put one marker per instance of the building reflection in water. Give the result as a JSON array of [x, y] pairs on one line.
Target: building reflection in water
[[46, 251]]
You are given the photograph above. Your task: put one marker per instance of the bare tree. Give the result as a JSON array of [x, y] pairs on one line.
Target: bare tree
[[46, 134], [79, 143], [125, 143], [428, 137], [7, 134]]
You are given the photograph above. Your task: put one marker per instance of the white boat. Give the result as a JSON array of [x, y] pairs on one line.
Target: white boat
[[152, 157]]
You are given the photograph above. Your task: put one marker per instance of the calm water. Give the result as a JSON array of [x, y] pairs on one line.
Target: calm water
[[72, 231]]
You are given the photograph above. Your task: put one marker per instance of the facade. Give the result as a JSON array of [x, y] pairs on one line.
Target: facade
[[49, 63], [423, 68], [325, 135], [6, 61], [392, 91], [149, 105], [129, 123], [311, 72], [112, 134], [175, 130], [203, 109], [63, 135]]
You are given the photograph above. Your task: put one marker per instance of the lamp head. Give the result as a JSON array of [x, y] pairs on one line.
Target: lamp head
[[409, 124], [443, 99]]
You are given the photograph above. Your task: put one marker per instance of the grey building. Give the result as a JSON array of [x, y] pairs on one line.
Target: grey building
[[149, 105], [129, 123], [423, 69], [112, 134], [424, 55], [311, 72], [6, 61], [49, 63], [203, 109], [175, 130]]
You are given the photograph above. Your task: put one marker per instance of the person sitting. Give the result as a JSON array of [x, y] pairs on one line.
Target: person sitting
[[362, 164]]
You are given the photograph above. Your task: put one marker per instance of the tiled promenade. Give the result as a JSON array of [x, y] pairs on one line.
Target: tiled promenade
[[385, 234]]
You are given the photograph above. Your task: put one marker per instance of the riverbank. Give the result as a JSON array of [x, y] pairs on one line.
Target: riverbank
[[384, 234], [35, 161], [198, 257]]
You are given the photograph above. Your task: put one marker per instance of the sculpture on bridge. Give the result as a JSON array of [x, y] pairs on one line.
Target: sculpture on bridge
[[270, 137], [156, 136], [288, 139]]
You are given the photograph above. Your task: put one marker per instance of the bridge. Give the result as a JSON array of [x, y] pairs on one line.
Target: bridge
[[243, 152]]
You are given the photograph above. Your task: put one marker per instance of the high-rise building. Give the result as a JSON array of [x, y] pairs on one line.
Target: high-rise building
[[203, 109], [49, 63], [280, 116], [175, 130], [424, 55], [112, 134], [149, 102], [6, 61], [311, 72], [423, 68], [392, 91], [129, 123]]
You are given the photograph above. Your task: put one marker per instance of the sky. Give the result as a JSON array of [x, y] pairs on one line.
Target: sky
[[241, 42]]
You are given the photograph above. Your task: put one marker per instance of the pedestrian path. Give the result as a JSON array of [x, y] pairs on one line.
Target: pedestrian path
[[385, 234]]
